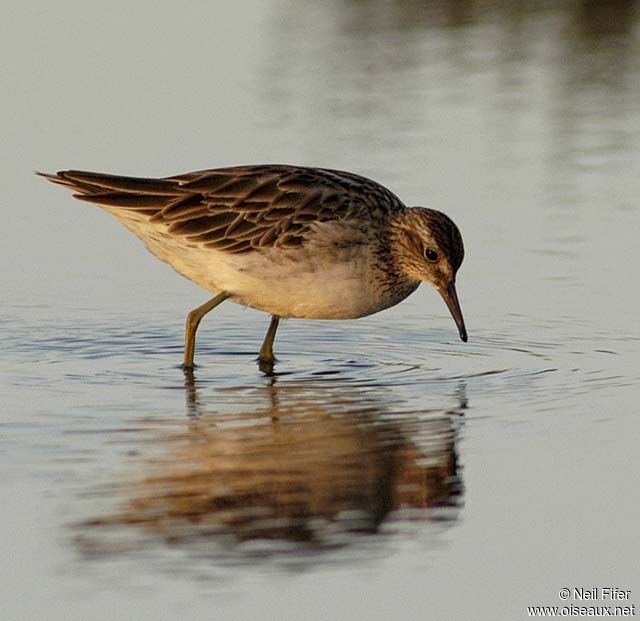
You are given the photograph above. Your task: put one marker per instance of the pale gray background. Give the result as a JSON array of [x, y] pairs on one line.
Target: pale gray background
[[520, 120]]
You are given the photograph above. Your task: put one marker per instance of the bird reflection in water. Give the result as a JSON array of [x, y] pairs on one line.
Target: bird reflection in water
[[301, 465]]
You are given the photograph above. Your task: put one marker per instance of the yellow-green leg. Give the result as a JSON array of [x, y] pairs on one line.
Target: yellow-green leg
[[193, 321], [266, 358]]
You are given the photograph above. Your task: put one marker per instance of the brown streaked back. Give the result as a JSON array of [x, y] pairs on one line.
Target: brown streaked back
[[241, 208]]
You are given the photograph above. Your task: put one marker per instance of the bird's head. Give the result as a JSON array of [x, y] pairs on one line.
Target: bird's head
[[427, 246]]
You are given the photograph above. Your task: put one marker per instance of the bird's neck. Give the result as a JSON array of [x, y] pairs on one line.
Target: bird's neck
[[387, 267]]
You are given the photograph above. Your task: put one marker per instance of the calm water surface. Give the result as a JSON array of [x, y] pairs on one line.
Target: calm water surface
[[387, 470]]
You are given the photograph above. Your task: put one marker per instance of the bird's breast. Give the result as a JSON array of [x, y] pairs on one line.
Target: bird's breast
[[336, 275], [305, 285]]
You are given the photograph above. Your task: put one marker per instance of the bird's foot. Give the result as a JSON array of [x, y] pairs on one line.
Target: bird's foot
[[267, 365]]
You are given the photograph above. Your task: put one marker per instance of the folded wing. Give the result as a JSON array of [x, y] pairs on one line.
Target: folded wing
[[238, 209]]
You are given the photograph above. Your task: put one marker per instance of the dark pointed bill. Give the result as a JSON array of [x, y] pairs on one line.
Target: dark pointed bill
[[451, 298]]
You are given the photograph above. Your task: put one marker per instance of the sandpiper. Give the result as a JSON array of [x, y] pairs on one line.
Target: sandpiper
[[292, 241]]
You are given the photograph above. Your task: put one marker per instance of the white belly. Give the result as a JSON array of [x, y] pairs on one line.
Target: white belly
[[310, 283], [306, 287]]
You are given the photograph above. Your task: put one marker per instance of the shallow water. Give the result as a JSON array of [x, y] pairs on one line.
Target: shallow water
[[387, 469]]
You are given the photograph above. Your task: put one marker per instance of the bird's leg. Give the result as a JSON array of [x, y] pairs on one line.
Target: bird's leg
[[193, 320], [266, 358]]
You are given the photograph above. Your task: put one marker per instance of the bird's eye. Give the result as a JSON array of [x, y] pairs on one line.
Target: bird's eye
[[431, 255]]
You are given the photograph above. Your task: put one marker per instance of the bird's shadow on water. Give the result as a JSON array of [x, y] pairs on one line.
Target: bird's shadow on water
[[285, 469]]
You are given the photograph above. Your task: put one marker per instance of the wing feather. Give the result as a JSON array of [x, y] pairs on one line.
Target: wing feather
[[238, 209]]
